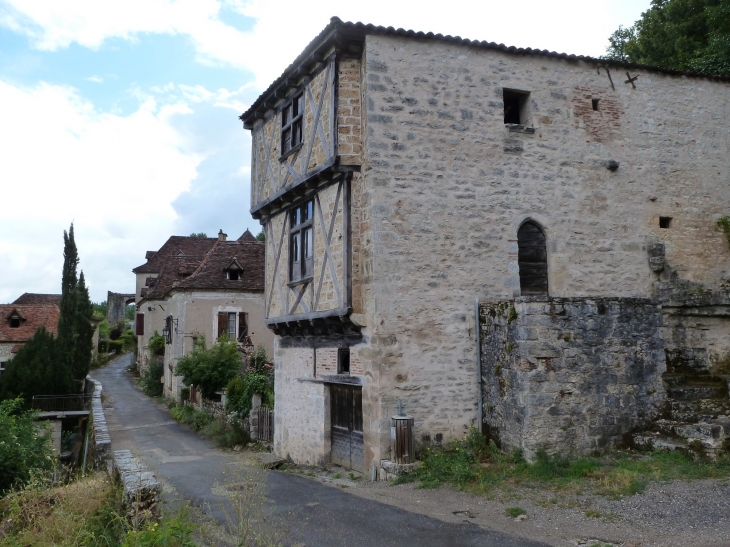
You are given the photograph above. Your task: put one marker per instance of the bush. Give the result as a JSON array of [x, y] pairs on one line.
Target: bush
[[257, 377], [210, 369], [116, 346], [22, 450], [129, 340], [103, 346], [151, 384], [157, 344]]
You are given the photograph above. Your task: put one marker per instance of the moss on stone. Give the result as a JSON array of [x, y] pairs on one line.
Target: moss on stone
[[724, 223]]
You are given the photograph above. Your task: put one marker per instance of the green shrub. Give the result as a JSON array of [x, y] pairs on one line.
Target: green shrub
[[22, 450], [210, 369], [157, 344], [257, 377], [117, 346], [151, 384], [103, 346], [182, 413]]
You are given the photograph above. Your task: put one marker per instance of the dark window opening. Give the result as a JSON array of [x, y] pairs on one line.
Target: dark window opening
[[343, 361], [532, 260], [515, 106], [233, 275], [665, 222], [15, 322], [291, 124], [301, 248], [243, 327], [595, 103]]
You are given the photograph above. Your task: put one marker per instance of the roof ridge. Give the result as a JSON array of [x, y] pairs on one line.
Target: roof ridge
[[205, 259]]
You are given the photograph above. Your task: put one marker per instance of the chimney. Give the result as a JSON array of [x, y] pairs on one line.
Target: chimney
[[222, 236]]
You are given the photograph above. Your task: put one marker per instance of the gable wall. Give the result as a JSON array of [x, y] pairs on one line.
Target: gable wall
[[449, 186]]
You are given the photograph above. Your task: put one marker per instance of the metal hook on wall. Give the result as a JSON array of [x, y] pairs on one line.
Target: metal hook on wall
[[608, 73]]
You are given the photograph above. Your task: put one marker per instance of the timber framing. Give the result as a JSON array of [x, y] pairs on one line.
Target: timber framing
[[318, 323]]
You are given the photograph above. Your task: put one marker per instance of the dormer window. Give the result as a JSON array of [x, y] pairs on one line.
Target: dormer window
[[15, 322], [234, 271], [14, 319]]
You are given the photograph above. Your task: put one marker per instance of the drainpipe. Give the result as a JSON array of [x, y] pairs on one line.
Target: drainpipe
[[478, 331]]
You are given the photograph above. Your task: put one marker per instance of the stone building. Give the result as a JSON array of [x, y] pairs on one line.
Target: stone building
[[20, 320], [201, 287], [401, 178]]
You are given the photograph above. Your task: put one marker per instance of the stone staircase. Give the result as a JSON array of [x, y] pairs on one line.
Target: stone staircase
[[697, 417]]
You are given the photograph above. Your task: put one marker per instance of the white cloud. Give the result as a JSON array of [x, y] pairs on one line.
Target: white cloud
[[95, 79], [277, 38], [64, 161]]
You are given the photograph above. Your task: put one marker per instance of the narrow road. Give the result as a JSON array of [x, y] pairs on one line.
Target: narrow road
[[316, 515]]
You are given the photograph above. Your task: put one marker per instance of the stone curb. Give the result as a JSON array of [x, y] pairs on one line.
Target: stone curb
[[102, 440]]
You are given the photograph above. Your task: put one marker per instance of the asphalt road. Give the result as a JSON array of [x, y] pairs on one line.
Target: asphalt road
[[314, 514]]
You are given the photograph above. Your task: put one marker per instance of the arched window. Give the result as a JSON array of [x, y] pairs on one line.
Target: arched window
[[532, 259]]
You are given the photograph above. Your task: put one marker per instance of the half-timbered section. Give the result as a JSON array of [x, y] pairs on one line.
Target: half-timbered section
[[403, 177]]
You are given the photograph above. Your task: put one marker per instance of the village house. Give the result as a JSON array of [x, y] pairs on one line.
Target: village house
[[195, 287], [512, 239], [20, 320]]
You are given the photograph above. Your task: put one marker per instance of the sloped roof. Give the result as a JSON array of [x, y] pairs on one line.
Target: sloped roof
[[35, 316], [38, 299], [340, 33], [193, 248], [173, 271], [247, 236], [211, 274]]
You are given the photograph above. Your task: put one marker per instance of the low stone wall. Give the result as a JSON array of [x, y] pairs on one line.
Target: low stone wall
[[214, 408], [570, 375], [102, 442], [142, 490]]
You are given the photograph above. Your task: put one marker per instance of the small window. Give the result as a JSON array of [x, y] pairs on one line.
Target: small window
[[302, 243], [232, 326], [291, 124], [595, 102], [665, 222], [15, 322], [343, 361], [233, 275], [515, 106]]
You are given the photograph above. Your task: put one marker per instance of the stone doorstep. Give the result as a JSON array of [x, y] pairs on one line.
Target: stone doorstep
[[710, 435]]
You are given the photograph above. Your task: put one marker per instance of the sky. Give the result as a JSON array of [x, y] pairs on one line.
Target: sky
[[121, 116]]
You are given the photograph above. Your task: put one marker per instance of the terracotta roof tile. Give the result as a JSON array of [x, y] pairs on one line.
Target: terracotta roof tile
[[35, 316], [194, 248], [211, 274], [38, 299], [247, 236]]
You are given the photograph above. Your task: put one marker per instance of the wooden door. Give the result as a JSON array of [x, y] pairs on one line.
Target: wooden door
[[347, 437]]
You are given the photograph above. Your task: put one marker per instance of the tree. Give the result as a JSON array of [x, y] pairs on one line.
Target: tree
[[680, 34], [210, 369], [22, 449], [199, 235], [75, 332], [261, 236], [34, 370]]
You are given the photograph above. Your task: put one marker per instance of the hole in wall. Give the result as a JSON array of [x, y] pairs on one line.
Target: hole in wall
[[665, 222], [595, 103]]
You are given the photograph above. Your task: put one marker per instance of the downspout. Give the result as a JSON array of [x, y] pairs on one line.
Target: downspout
[[479, 366]]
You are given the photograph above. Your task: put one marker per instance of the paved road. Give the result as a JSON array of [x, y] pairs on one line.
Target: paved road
[[316, 514]]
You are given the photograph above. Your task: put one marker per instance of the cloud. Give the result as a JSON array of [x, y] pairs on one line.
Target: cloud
[[283, 28], [114, 176], [95, 79]]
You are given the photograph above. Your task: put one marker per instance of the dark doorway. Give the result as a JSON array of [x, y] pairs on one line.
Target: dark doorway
[[347, 438], [532, 260]]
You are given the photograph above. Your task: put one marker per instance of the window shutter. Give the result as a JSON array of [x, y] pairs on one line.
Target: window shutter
[[139, 325], [222, 323]]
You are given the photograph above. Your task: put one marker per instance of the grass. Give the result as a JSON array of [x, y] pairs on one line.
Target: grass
[[87, 512], [222, 434], [514, 512], [477, 465]]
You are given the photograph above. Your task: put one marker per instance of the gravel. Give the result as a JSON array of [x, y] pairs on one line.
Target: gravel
[[679, 513]]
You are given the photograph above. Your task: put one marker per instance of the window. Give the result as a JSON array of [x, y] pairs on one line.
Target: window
[[15, 322], [515, 106], [343, 361], [233, 275], [2, 367], [301, 248], [232, 326], [242, 326], [595, 103], [665, 222], [532, 260], [291, 124]]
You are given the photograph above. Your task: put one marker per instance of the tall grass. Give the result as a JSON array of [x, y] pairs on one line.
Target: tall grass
[[476, 463]]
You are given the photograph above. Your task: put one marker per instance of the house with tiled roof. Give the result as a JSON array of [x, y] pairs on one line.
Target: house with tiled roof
[[196, 294], [19, 322]]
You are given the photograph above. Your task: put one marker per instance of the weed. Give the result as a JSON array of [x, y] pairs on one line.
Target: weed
[[353, 477], [514, 512], [337, 476], [593, 514]]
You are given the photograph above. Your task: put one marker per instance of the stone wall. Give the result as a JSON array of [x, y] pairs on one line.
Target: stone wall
[[570, 375]]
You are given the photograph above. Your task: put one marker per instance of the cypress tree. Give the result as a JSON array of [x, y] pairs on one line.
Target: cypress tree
[[67, 335], [84, 331]]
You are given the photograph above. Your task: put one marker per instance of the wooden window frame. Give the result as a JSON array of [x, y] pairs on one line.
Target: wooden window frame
[[242, 326], [343, 361], [292, 125], [301, 230]]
